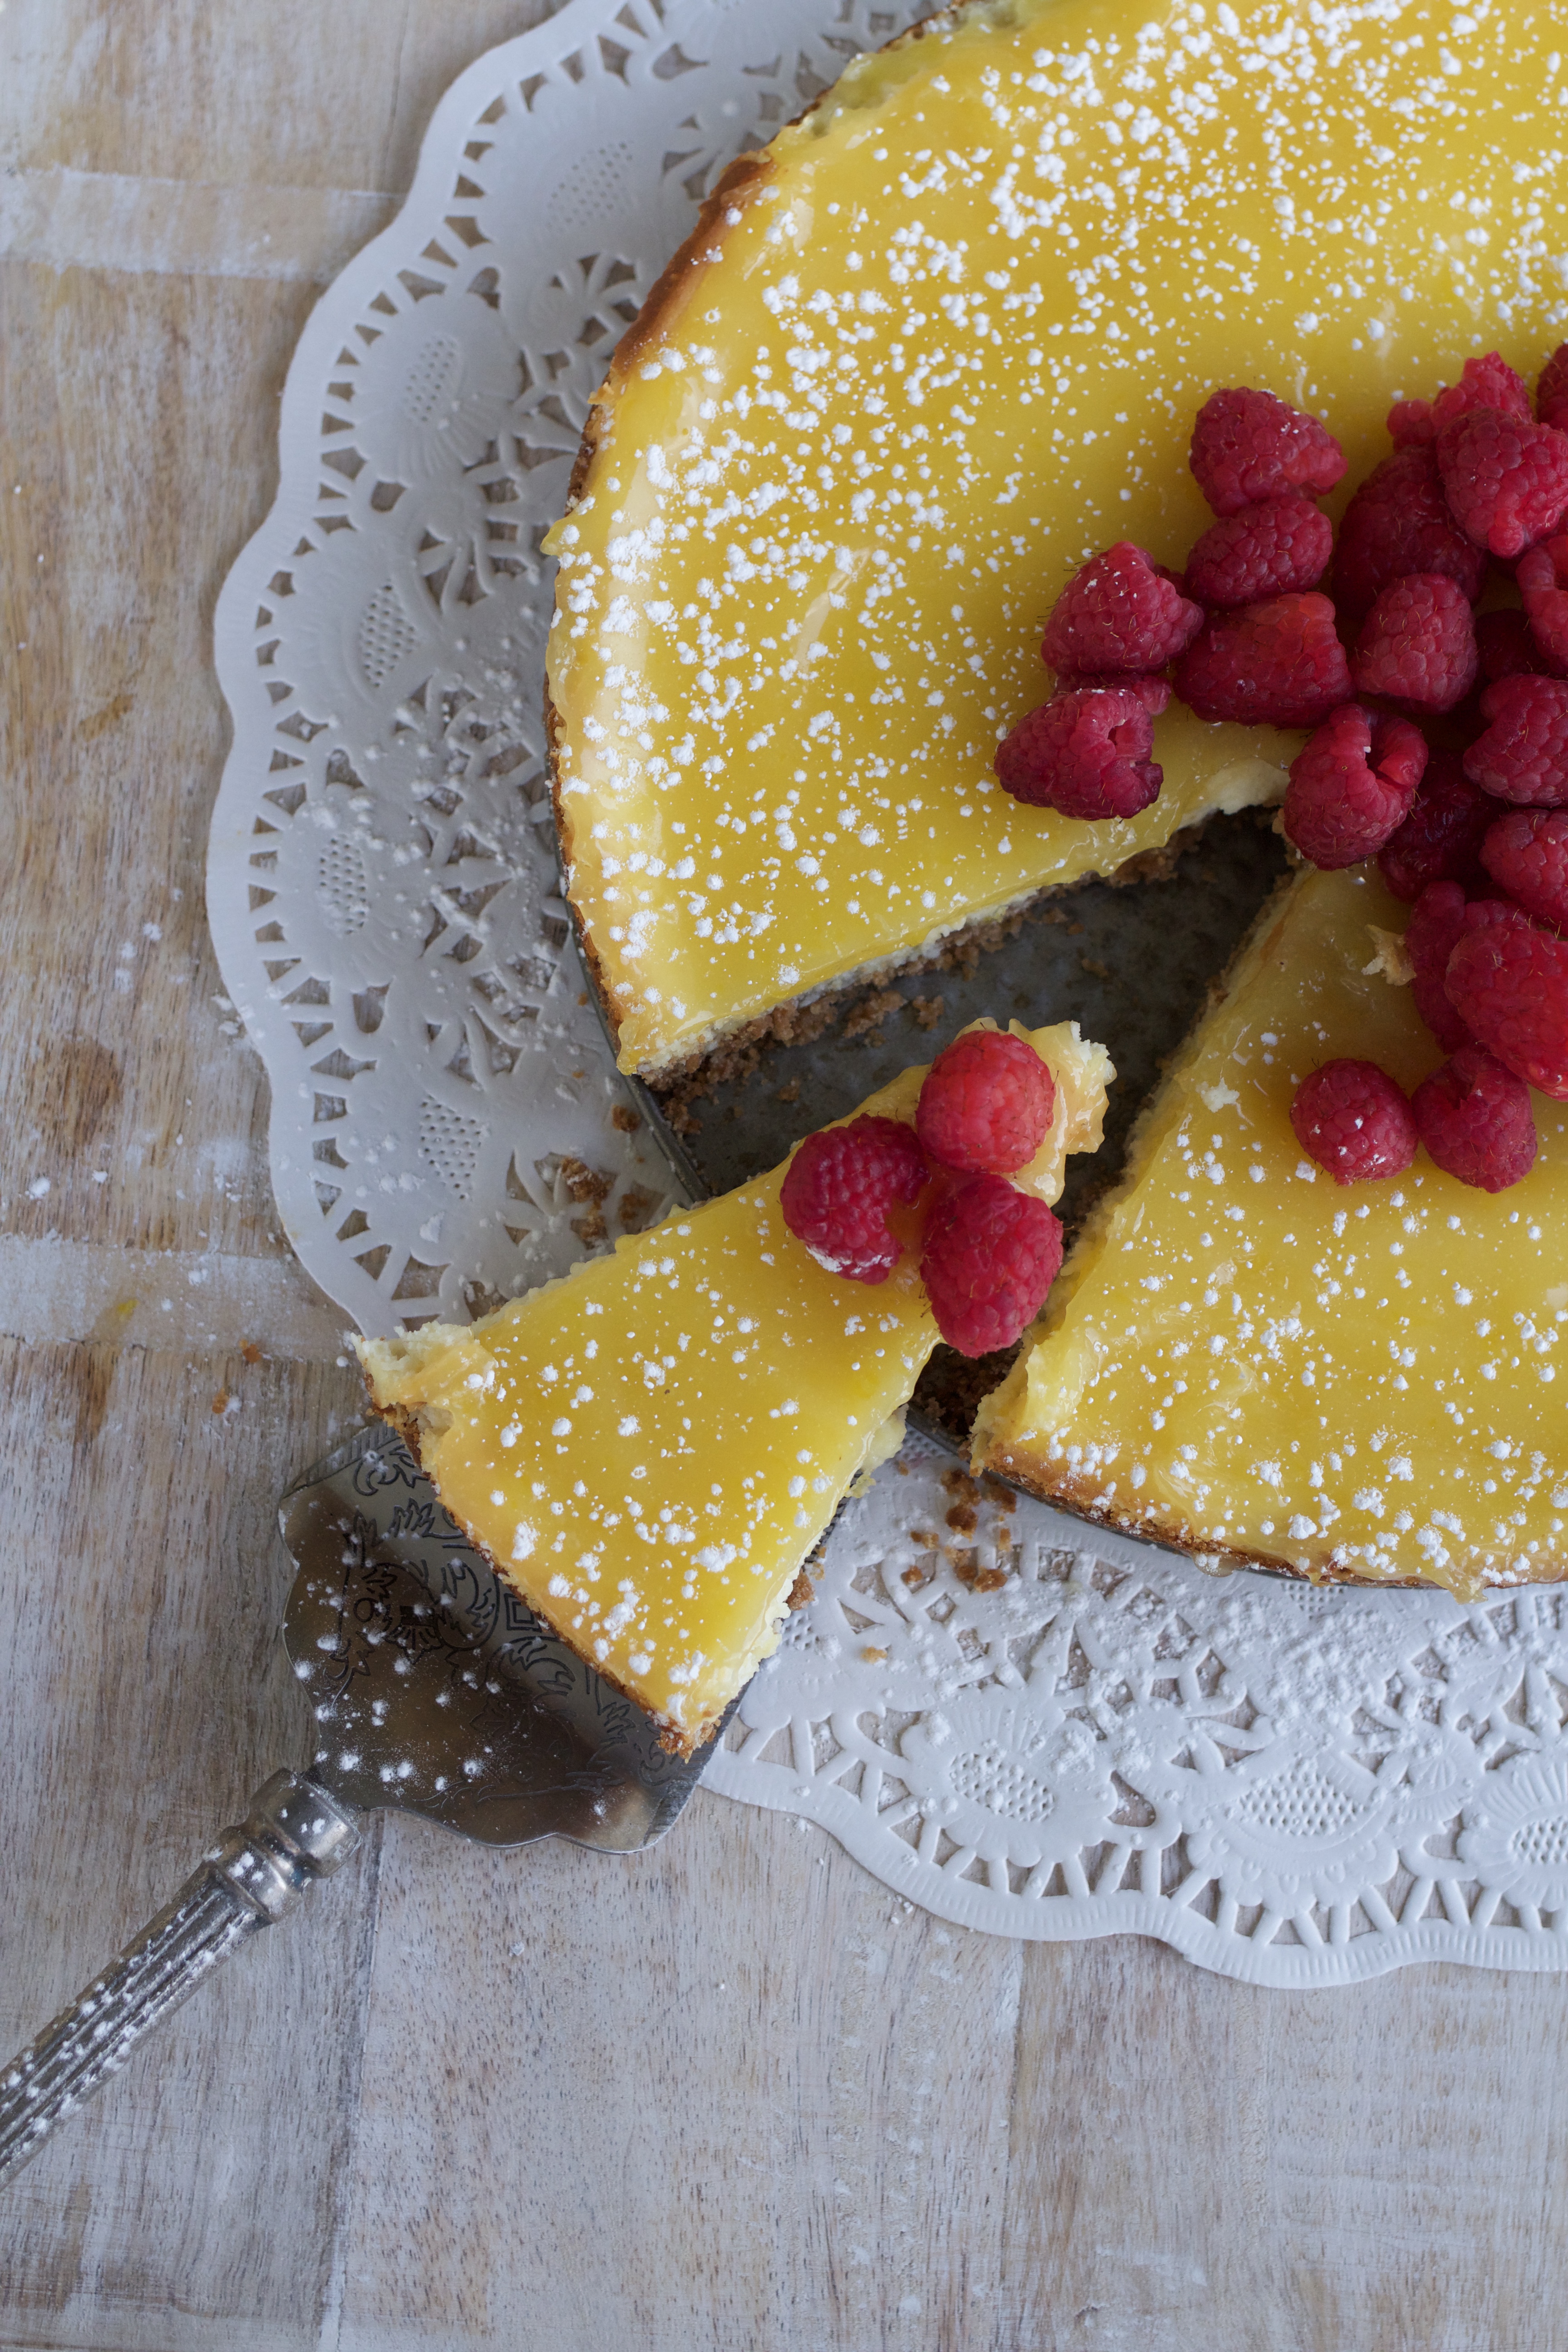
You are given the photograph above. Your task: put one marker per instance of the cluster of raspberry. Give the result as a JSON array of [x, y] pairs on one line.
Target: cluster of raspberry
[[989, 1252], [1475, 839]]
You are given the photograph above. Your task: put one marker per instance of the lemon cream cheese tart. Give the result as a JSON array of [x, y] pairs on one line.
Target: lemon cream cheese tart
[[649, 1448], [937, 344], [1251, 1362]]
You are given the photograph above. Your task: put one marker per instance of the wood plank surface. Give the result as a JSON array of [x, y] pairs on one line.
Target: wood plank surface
[[726, 2093]]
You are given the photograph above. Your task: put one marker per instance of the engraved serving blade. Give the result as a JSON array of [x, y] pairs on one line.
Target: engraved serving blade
[[433, 1691]]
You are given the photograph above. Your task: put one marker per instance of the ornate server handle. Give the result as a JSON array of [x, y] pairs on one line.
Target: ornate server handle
[[293, 1834]]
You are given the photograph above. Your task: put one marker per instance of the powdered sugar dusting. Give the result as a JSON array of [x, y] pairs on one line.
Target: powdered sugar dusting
[[956, 345], [1359, 1377]]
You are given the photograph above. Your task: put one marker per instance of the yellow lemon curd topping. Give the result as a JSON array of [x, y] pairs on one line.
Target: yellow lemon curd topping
[[650, 1447], [947, 341], [1246, 1358]]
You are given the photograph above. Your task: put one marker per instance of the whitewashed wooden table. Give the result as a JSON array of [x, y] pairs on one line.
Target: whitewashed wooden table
[[728, 2094]]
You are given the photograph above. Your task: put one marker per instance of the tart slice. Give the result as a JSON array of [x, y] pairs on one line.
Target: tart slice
[[939, 342], [1254, 1363], [648, 1449]]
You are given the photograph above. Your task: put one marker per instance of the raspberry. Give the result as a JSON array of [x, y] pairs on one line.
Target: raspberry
[[1488, 383], [1440, 840], [1552, 389], [1474, 1116], [1436, 926], [1084, 752], [1543, 577], [1353, 1119], [1410, 424], [1523, 755], [1248, 445], [1153, 693], [1398, 522], [1118, 615], [986, 1103], [1507, 647], [1511, 983], [1490, 913], [1278, 549], [1352, 785], [1527, 853], [1506, 480], [838, 1190], [1278, 663], [991, 1254], [1417, 644]]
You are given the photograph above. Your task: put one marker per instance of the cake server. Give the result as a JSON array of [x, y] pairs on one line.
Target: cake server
[[433, 1691]]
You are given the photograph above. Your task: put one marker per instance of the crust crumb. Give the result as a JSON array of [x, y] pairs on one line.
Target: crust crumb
[[636, 1206], [585, 1184], [871, 1012]]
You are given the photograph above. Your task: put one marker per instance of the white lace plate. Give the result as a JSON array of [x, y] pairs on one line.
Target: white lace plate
[[1014, 1729]]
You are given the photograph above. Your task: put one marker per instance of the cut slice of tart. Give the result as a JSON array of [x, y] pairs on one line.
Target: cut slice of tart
[[649, 1449], [1253, 1363], [944, 340]]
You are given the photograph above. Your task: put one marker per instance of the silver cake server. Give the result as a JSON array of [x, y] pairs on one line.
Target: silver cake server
[[433, 1691]]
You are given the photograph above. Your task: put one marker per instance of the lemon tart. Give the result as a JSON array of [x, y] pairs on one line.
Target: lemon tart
[[1245, 1359], [649, 1448], [937, 344]]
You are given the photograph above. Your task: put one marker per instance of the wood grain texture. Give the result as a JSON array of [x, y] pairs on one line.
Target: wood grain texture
[[725, 2094]]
